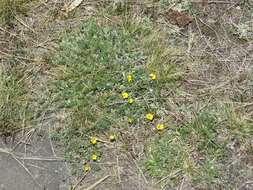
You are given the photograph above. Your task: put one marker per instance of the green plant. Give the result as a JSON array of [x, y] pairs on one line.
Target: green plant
[[207, 174], [239, 125], [203, 130], [13, 101], [168, 155], [243, 30], [91, 68], [193, 149]]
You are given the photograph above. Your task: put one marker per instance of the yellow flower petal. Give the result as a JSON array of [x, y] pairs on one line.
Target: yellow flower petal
[[152, 76], [86, 167], [112, 137], [150, 116], [160, 127], [93, 140], [94, 157], [125, 95], [130, 120], [129, 78], [130, 100]]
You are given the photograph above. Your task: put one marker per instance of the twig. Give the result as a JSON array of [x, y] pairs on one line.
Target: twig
[[211, 2], [38, 167], [106, 143], [12, 34], [28, 134], [24, 24], [9, 152], [246, 183], [182, 184], [168, 176], [141, 172], [74, 4], [18, 57], [6, 151], [96, 184], [219, 2], [190, 42], [118, 170], [56, 159], [50, 141], [76, 185]]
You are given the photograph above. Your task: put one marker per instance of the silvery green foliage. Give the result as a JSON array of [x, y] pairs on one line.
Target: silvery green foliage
[[244, 30]]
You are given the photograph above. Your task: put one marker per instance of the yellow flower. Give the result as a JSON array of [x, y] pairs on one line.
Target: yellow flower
[[86, 167], [112, 137], [150, 116], [93, 140], [94, 157], [160, 127], [125, 95], [130, 100], [152, 76], [130, 120], [129, 78]]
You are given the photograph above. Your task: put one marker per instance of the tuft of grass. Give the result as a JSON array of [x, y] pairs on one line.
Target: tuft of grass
[[176, 154], [202, 133], [203, 130], [13, 101], [208, 174], [168, 155], [239, 125], [10, 8], [91, 68], [202, 144]]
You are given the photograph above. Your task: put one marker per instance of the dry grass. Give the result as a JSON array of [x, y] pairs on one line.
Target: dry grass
[[13, 101], [10, 8]]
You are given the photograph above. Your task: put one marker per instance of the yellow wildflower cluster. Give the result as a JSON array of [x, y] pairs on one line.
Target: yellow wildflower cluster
[[149, 116], [111, 137], [94, 156], [130, 77], [125, 96]]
